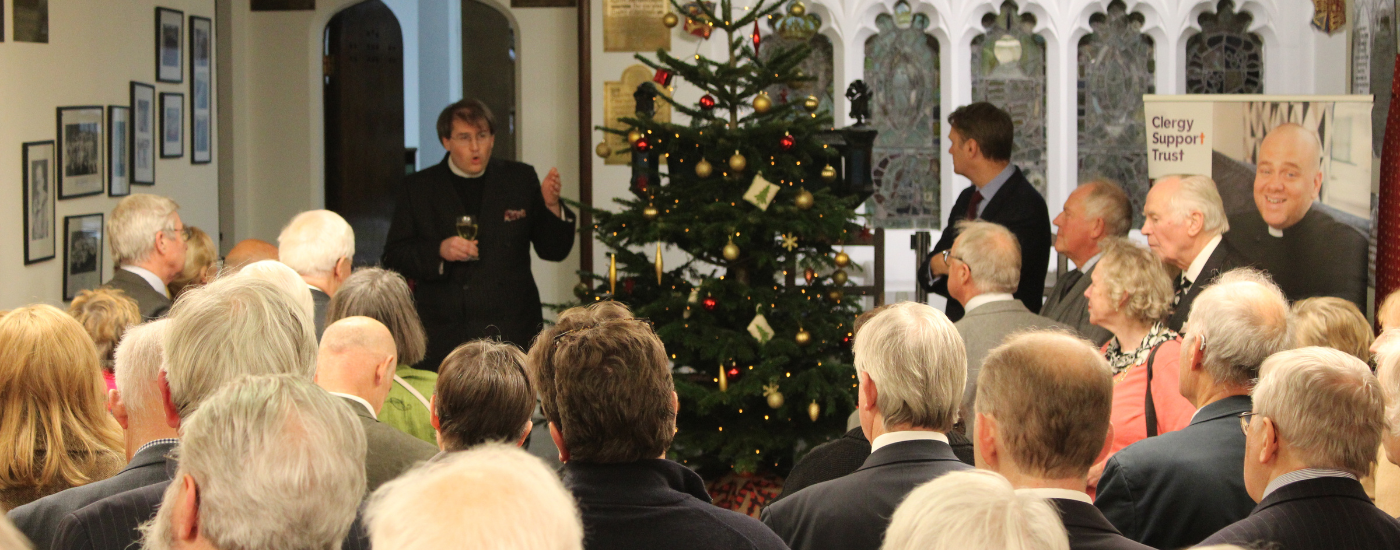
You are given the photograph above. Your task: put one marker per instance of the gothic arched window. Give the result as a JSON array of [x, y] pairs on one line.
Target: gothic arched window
[[790, 31], [1116, 66], [902, 69], [1008, 70], [1225, 58]]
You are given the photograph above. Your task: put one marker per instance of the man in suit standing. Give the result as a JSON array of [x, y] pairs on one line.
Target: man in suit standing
[[1043, 404], [148, 245], [320, 246], [1175, 489], [1184, 224], [1308, 247], [136, 405], [981, 140], [1095, 210], [356, 363], [482, 286], [912, 369], [984, 266]]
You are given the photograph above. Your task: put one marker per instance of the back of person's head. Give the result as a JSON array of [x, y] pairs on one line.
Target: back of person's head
[[1108, 201], [134, 223], [1243, 319], [1198, 194], [989, 126], [1327, 407], [51, 399], [230, 329], [105, 314], [974, 509], [201, 262], [10, 537], [384, 296], [285, 279], [916, 359], [276, 462], [482, 394], [314, 241], [1334, 323], [138, 363], [993, 254], [490, 497], [248, 251], [1051, 395], [540, 359], [1136, 278]]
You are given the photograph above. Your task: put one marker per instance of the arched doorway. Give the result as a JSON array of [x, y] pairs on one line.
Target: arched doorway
[[488, 69]]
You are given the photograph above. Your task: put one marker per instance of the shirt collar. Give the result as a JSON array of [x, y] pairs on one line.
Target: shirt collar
[[900, 437], [1050, 492], [990, 190], [460, 172], [359, 400], [986, 298], [154, 442], [1303, 475], [1274, 232], [1193, 272], [150, 278], [1090, 264]]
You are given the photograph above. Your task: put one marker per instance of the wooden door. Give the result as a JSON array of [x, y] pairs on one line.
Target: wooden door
[[488, 69]]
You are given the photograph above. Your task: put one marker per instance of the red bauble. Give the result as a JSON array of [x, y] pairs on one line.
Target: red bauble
[[662, 77], [642, 145], [640, 184], [787, 143], [707, 102], [628, 285], [710, 303], [733, 373]]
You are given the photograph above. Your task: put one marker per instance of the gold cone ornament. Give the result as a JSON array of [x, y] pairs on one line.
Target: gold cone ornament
[[659, 269], [612, 275], [723, 379], [814, 411]]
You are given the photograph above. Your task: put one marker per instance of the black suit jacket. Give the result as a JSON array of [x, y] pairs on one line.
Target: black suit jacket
[[846, 454], [1321, 514], [1174, 490], [151, 302], [1019, 207], [1067, 304], [318, 301], [496, 294], [852, 512], [1089, 530], [39, 520], [389, 452], [1321, 255], [1224, 258]]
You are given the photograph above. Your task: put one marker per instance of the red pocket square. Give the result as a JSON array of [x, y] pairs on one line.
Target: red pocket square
[[512, 215]]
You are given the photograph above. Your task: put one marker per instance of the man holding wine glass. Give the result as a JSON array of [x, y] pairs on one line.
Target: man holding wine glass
[[462, 232]]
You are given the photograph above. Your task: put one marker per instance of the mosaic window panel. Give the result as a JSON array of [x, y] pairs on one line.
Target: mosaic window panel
[[1116, 66], [1225, 58], [1008, 70], [788, 32], [1373, 60], [902, 69]]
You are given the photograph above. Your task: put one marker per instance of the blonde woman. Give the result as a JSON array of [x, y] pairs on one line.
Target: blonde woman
[[55, 430], [201, 262], [105, 314]]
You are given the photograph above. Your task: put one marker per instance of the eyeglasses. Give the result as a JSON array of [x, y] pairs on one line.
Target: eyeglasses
[[184, 234], [1245, 418], [647, 322], [948, 255]]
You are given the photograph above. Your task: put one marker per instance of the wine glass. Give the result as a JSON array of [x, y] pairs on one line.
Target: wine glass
[[466, 227]]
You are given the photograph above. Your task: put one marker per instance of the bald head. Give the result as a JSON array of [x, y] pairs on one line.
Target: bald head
[[1289, 175], [248, 251], [357, 357]]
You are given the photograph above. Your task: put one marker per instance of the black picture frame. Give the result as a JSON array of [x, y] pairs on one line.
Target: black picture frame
[[172, 125], [142, 148], [2, 20], [170, 63], [118, 167], [81, 150], [201, 107], [40, 240], [83, 237]]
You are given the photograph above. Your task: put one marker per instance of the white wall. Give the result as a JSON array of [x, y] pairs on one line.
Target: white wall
[[95, 50]]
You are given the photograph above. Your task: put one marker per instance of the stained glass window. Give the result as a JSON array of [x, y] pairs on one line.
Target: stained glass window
[[790, 31], [1116, 66], [1373, 59], [1225, 58], [1008, 70], [902, 69]]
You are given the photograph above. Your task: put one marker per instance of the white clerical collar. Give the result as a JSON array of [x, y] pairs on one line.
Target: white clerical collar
[[1199, 264], [1051, 492], [357, 399], [150, 278], [460, 172], [986, 298], [900, 437], [1277, 233], [1302, 475]]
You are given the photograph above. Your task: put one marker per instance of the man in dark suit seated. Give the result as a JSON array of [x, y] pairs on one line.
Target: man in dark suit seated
[[1043, 404], [1185, 223], [1095, 210], [1311, 249], [137, 406], [912, 369], [1317, 420], [605, 385], [148, 245], [483, 395], [320, 246], [1175, 489], [356, 363], [981, 137], [270, 461]]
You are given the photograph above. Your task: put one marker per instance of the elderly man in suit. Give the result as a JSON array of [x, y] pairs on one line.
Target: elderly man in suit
[[981, 141], [1095, 210], [137, 406], [1185, 225], [984, 267], [148, 244], [1176, 489], [320, 246], [356, 363], [912, 369], [1318, 416], [1043, 404]]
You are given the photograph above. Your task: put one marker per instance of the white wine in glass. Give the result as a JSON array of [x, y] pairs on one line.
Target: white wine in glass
[[466, 227]]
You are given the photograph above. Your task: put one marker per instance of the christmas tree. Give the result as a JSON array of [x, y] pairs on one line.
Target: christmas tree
[[751, 192]]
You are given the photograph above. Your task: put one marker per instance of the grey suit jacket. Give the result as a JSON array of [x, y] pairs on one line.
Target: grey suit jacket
[[984, 328], [390, 452], [152, 303], [1067, 304], [319, 300], [39, 520]]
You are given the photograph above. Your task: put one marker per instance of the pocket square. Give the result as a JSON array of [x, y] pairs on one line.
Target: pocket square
[[512, 215]]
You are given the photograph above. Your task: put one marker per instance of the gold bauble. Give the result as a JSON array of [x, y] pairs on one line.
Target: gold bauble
[[839, 277], [811, 104], [633, 136], [829, 173], [835, 295], [731, 252], [814, 411], [703, 169], [581, 290], [803, 337], [762, 103], [650, 212], [798, 9], [804, 199], [775, 399], [842, 260], [670, 20], [603, 150], [737, 162]]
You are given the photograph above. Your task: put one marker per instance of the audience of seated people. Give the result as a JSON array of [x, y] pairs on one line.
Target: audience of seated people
[[106, 314], [483, 396]]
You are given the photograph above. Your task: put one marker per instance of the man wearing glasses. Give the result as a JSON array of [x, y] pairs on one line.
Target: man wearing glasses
[[148, 245]]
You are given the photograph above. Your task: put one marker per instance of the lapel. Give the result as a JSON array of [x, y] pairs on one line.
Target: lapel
[[1219, 261], [921, 450], [999, 200], [1060, 296]]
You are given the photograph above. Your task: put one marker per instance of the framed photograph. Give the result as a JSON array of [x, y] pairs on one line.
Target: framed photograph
[[169, 58], [40, 242], [81, 154], [142, 147], [201, 110], [118, 170], [82, 254], [31, 21], [172, 125]]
